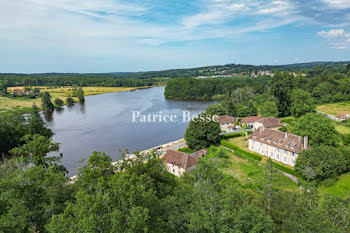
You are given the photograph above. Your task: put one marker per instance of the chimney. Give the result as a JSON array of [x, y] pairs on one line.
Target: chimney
[[286, 135], [306, 142]]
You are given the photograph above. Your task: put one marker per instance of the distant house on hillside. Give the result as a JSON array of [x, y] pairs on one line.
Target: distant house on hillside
[[18, 92], [249, 121], [277, 145], [227, 123], [178, 162], [268, 122], [342, 116]]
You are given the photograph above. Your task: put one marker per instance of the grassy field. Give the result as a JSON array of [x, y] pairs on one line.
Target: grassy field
[[342, 129], [251, 173], [243, 170], [22, 103], [335, 108], [341, 188]]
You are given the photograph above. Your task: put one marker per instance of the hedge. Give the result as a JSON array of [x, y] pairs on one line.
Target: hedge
[[247, 155], [239, 152], [235, 135], [286, 169]]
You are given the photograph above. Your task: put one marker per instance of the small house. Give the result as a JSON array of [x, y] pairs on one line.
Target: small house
[[249, 121], [268, 123], [227, 123], [178, 162]]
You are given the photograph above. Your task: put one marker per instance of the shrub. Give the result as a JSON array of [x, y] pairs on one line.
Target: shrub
[[186, 150], [58, 102], [285, 169], [70, 101], [235, 135], [239, 152]]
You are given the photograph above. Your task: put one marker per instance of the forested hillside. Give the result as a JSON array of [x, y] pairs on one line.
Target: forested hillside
[[132, 79]]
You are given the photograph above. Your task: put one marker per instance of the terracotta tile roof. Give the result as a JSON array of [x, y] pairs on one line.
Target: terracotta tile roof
[[342, 116], [251, 119], [180, 159], [282, 140], [224, 119], [270, 122]]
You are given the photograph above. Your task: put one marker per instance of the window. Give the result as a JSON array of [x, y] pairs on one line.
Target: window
[[277, 157], [285, 159], [271, 155], [292, 161], [173, 170]]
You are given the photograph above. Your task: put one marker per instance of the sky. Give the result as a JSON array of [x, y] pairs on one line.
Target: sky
[[141, 35]]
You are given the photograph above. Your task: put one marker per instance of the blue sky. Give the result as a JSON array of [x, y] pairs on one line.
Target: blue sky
[[138, 35]]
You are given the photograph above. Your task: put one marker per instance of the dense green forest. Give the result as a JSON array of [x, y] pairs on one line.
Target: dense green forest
[[205, 89], [284, 91], [133, 79]]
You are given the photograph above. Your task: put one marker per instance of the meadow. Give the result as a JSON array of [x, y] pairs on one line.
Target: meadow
[[24, 103], [335, 108], [250, 171]]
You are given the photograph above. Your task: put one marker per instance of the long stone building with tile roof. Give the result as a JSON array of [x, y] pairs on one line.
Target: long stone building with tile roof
[[277, 145]]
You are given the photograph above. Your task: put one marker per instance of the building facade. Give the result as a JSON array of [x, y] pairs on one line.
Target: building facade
[[279, 146], [268, 122], [177, 163], [227, 123]]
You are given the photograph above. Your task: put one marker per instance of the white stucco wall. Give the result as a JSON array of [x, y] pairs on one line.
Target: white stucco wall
[[274, 153], [226, 128]]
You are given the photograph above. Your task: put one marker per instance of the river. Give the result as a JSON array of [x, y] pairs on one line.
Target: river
[[104, 123]]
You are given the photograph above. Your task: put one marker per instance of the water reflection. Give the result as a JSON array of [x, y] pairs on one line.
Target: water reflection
[[104, 123]]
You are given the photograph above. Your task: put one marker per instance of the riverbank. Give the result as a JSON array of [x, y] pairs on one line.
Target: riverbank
[[24, 104]]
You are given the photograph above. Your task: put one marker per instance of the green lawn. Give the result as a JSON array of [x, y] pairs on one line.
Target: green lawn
[[342, 129], [251, 173], [335, 108], [341, 188], [242, 170]]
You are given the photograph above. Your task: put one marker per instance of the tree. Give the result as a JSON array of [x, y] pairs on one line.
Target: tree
[[36, 149], [269, 109], [58, 102], [80, 94], [215, 109], [281, 86], [302, 102], [322, 162], [201, 134], [229, 105], [12, 129], [247, 110], [36, 124], [30, 196], [319, 129], [3, 88], [46, 102], [70, 101]]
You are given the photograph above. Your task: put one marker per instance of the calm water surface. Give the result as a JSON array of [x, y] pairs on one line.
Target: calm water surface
[[104, 123]]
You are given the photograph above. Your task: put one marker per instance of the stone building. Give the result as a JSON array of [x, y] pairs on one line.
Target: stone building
[[178, 162], [268, 122], [277, 145], [249, 121], [227, 123]]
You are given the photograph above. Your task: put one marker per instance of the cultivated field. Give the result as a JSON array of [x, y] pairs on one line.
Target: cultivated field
[[23, 103]]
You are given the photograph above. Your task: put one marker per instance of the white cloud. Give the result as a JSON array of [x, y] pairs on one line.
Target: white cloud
[[338, 4], [334, 33], [338, 38], [276, 8], [223, 11]]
